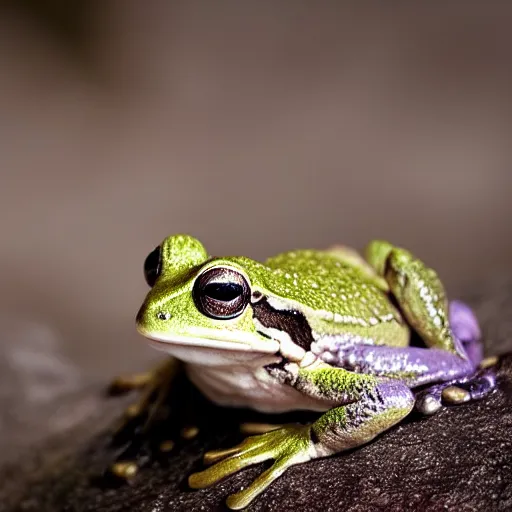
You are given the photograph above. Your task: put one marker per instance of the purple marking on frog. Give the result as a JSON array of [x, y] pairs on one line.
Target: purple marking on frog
[[396, 394], [465, 328], [359, 353], [413, 365], [478, 385], [464, 322]]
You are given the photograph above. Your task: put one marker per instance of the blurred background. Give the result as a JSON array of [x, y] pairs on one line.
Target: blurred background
[[255, 126]]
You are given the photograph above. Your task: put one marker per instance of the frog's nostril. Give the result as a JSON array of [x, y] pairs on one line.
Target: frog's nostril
[[163, 315]]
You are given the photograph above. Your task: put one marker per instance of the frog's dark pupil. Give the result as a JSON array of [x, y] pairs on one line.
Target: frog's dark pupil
[[152, 267], [224, 292], [221, 293]]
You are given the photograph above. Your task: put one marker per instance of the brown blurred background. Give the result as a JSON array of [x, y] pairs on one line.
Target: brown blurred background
[[257, 127]]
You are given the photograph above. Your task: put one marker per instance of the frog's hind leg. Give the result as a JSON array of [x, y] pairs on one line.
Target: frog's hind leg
[[150, 384], [421, 297], [419, 293], [458, 378], [459, 391], [418, 367], [415, 366], [129, 435], [353, 259], [466, 330]]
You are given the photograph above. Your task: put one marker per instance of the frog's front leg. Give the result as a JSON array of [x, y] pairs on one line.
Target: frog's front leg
[[451, 328], [367, 406]]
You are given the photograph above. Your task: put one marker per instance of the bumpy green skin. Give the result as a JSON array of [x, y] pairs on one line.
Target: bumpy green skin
[[183, 258], [418, 290], [338, 293], [350, 300], [334, 295]]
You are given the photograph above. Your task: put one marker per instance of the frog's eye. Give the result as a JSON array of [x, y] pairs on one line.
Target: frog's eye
[[152, 267], [221, 293]]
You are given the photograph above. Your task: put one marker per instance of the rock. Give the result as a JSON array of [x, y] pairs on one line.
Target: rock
[[459, 459]]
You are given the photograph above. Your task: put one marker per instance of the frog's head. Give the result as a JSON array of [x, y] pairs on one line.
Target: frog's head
[[199, 308]]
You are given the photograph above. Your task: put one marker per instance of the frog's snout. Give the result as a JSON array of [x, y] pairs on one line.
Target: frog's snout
[[139, 319], [150, 319]]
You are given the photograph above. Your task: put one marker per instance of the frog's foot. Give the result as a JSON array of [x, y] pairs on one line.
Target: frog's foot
[[130, 436], [473, 387], [153, 384], [251, 429], [421, 298], [287, 446], [456, 392], [126, 383]]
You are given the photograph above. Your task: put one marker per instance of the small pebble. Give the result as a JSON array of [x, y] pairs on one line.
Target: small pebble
[[166, 446], [133, 410], [489, 361], [455, 395], [189, 433], [124, 469], [428, 405]]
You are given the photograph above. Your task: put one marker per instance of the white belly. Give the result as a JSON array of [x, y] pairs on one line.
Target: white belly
[[242, 386]]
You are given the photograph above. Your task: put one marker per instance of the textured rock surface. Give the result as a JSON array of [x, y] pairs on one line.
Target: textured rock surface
[[459, 459]]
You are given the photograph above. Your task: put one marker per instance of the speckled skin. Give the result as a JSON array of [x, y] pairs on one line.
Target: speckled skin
[[354, 304], [358, 366]]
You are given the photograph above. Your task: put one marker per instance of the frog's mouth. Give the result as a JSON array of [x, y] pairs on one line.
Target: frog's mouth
[[197, 349], [191, 341]]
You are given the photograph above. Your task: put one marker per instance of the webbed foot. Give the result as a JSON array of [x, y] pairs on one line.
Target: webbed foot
[[466, 330], [287, 446], [131, 437], [457, 392]]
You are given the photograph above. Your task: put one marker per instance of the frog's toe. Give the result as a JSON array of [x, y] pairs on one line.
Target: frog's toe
[[124, 469], [428, 403], [474, 388], [229, 461], [251, 429], [214, 456], [456, 392], [287, 446], [125, 383], [242, 498]]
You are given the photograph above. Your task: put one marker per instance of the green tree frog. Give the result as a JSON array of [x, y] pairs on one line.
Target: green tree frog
[[318, 330]]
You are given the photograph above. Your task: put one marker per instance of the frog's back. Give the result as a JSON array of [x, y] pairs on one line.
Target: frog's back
[[344, 298]]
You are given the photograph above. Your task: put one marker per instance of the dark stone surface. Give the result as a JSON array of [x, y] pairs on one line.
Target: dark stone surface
[[459, 459]]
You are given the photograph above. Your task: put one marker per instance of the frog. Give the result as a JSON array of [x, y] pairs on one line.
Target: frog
[[327, 331]]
